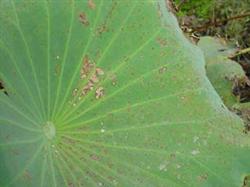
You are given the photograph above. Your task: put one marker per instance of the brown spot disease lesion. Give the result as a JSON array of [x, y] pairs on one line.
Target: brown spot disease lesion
[[91, 4], [99, 92], [27, 176], [162, 41], [86, 67], [90, 76], [83, 19], [162, 69]]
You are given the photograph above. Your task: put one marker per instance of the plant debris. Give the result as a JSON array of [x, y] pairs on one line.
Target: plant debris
[[247, 128], [241, 89]]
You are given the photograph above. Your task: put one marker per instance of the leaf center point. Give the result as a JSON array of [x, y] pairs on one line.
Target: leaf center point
[[49, 130]]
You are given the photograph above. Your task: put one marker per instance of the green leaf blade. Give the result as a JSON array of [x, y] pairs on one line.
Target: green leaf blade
[[150, 117]]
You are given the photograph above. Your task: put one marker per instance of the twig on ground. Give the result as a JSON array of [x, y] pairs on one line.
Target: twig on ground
[[240, 52]]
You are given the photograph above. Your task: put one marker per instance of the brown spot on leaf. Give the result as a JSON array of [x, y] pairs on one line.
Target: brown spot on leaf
[[202, 178], [70, 184], [94, 79], [113, 79], [99, 92], [94, 157], [93, 75], [162, 69], [75, 91], [99, 71], [57, 69], [86, 68], [162, 41], [91, 4], [90, 69], [87, 88], [101, 29], [15, 152], [159, 12], [172, 155], [163, 53], [67, 140], [104, 26], [27, 176], [83, 19]]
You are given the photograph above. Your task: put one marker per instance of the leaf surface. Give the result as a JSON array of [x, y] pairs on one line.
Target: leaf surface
[[110, 93]]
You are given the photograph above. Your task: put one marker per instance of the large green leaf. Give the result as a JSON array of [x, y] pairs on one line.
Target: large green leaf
[[151, 118]]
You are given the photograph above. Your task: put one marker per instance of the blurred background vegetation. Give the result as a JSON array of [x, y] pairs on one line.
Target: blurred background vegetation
[[228, 19], [228, 22]]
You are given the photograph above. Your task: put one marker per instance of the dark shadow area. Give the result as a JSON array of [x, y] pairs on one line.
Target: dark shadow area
[[242, 91], [246, 181], [2, 88]]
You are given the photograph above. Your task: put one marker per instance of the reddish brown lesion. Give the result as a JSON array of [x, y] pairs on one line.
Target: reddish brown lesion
[[27, 176], [91, 4], [87, 88], [162, 41], [99, 92], [86, 67], [99, 71], [83, 19], [93, 74], [94, 157], [103, 27]]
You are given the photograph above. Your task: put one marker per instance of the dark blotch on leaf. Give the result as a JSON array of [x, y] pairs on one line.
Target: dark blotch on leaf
[[83, 19], [1, 85], [246, 181], [2, 88]]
